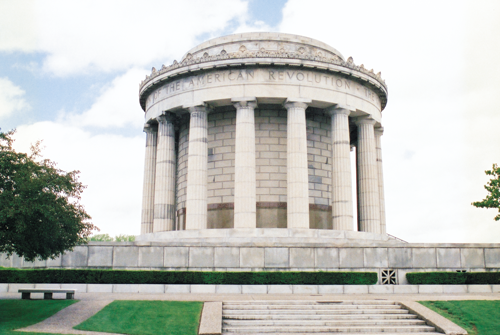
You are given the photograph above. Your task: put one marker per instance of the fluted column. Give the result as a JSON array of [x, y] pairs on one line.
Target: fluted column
[[378, 134], [297, 172], [164, 200], [245, 209], [148, 190], [368, 192], [196, 197], [342, 216]]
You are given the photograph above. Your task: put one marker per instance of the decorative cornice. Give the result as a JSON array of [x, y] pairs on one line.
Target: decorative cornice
[[243, 53]]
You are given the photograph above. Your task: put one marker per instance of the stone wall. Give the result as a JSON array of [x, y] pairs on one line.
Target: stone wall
[[319, 156], [309, 257]]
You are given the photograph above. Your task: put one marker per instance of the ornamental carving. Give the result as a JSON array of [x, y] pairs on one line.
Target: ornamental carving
[[243, 53]]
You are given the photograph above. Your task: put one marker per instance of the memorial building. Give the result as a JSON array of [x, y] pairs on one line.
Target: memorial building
[[255, 130]]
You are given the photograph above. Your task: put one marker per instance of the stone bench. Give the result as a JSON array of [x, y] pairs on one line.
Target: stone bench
[[47, 292]]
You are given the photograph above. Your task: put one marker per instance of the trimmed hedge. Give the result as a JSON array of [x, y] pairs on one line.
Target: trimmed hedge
[[86, 276], [453, 278]]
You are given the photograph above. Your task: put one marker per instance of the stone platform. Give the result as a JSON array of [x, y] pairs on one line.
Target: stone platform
[[268, 237], [274, 250]]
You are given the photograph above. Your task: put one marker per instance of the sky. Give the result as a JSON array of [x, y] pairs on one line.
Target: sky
[[70, 74]]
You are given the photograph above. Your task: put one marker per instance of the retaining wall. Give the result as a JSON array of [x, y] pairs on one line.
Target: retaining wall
[[274, 257]]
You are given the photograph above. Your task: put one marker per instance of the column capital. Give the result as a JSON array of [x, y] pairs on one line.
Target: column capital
[[379, 131], [165, 117], [198, 107], [250, 102], [150, 128], [365, 120], [297, 103], [339, 109]]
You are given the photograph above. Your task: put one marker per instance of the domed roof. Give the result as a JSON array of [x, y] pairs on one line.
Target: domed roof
[[260, 41]]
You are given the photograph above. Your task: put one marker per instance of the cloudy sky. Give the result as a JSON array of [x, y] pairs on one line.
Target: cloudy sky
[[70, 73]]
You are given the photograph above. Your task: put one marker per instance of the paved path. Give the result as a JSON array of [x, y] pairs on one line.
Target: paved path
[[91, 303], [64, 321]]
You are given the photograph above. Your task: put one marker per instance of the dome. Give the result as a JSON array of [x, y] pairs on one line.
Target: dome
[[279, 43]]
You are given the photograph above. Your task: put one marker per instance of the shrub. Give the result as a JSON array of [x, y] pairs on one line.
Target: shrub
[[107, 238], [453, 278], [101, 238], [124, 238], [92, 276]]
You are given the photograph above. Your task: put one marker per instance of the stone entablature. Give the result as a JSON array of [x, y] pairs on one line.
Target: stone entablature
[[270, 84]]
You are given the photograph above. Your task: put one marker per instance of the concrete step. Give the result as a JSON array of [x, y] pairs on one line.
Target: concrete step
[[381, 317], [329, 329], [308, 307], [312, 302], [319, 317], [330, 333], [314, 323], [314, 312]]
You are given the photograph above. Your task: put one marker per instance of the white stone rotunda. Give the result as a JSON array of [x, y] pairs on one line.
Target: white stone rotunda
[[253, 132]]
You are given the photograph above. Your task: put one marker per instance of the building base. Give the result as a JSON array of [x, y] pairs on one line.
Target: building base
[[268, 237]]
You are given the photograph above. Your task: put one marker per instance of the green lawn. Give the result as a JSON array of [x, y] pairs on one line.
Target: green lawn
[[16, 314], [146, 318], [478, 317]]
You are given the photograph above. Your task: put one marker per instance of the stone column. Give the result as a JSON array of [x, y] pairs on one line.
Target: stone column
[[196, 197], [245, 209], [378, 133], [342, 216], [368, 192], [297, 172], [148, 190], [164, 218]]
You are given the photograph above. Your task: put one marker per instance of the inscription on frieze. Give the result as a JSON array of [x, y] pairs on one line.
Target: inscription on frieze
[[262, 76]]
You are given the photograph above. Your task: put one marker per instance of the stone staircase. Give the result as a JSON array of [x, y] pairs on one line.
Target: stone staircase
[[321, 317]]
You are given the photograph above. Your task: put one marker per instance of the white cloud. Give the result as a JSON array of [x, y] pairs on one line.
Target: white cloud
[[18, 25], [93, 35], [11, 98], [117, 106], [110, 165]]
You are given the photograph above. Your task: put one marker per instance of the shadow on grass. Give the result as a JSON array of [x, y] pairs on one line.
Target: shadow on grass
[[146, 318], [15, 314]]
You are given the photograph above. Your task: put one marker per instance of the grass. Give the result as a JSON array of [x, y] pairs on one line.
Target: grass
[[478, 317], [146, 318], [16, 314]]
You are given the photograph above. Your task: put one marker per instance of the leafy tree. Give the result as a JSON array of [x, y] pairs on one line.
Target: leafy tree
[[40, 216], [492, 200]]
